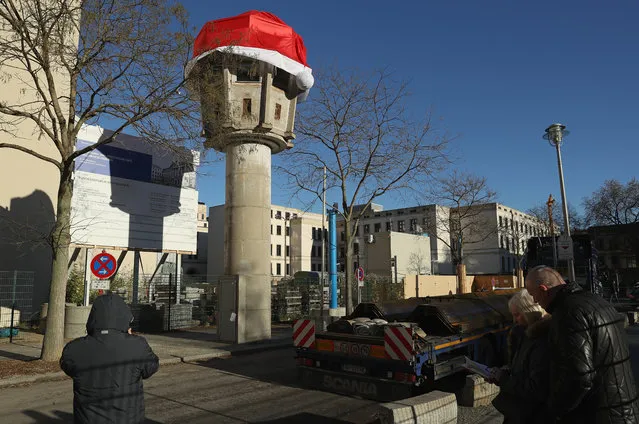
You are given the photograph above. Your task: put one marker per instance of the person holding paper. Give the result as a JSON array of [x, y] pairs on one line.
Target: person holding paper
[[591, 379], [524, 384]]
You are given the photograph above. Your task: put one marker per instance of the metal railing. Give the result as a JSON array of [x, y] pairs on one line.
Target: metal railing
[[16, 301]]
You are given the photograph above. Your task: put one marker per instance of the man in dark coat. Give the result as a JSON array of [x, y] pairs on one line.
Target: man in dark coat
[[108, 365], [591, 380]]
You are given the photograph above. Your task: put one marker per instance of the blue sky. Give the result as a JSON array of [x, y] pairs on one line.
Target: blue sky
[[497, 73]]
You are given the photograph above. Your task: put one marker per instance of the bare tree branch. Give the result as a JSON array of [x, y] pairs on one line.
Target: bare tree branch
[[358, 128]]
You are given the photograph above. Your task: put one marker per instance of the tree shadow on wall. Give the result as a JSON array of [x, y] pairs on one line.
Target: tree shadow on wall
[[25, 231]]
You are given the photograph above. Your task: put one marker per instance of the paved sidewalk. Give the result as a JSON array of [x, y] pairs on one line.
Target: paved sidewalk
[[171, 347]]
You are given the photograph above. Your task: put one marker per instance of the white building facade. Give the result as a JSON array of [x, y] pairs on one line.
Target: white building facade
[[411, 220], [499, 251]]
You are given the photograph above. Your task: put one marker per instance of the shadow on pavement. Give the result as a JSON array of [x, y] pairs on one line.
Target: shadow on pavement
[[305, 418], [61, 417], [209, 334], [17, 356], [275, 366]]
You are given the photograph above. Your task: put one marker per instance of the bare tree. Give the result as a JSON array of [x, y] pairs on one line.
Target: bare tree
[[358, 128], [87, 62], [613, 203], [540, 212], [465, 224], [418, 263]]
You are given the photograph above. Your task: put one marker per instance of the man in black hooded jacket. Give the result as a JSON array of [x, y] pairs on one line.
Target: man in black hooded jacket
[[591, 380], [108, 365]]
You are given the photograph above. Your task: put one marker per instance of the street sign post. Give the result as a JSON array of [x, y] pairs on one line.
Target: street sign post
[[564, 247], [103, 265]]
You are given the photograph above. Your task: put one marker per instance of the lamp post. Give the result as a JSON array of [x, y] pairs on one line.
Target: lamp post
[[555, 134], [550, 203]]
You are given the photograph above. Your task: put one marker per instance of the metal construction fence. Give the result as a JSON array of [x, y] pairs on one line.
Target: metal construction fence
[[168, 301], [16, 301]]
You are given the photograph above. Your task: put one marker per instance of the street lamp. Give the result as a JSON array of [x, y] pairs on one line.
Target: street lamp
[[555, 134]]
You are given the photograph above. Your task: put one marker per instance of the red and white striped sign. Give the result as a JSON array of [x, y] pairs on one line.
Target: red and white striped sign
[[398, 343], [303, 333]]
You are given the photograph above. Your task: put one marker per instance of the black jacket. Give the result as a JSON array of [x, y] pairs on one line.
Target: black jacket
[[591, 378], [108, 365], [523, 389]]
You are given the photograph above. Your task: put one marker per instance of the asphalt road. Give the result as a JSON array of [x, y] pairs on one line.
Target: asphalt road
[[260, 387]]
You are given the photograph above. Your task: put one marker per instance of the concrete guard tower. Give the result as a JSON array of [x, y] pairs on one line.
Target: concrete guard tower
[[249, 72]]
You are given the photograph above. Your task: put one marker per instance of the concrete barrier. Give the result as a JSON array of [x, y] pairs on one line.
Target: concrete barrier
[[477, 391], [75, 321], [42, 325], [431, 408]]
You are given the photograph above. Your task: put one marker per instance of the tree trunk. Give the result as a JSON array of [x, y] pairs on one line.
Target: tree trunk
[[61, 238], [348, 268]]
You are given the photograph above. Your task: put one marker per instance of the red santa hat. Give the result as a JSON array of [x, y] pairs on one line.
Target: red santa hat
[[257, 35]]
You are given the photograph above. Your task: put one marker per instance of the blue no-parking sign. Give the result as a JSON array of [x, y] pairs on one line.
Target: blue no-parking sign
[[103, 265]]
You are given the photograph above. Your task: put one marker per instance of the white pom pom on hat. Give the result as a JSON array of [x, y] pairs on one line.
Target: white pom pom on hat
[[305, 79]]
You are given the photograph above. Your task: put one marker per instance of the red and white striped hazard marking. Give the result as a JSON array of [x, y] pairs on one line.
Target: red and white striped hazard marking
[[398, 343], [303, 333]]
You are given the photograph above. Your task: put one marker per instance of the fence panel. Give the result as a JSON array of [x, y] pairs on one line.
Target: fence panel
[[16, 302]]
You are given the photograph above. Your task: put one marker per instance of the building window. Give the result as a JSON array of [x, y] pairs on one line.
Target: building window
[[367, 228], [287, 215], [271, 250], [341, 236], [319, 251], [278, 251], [357, 231], [378, 227], [312, 267], [506, 222], [413, 224], [503, 264], [288, 269], [500, 222], [288, 250], [288, 231], [271, 230], [631, 262], [389, 226], [279, 230], [356, 248], [507, 243], [501, 241], [400, 226], [278, 268]]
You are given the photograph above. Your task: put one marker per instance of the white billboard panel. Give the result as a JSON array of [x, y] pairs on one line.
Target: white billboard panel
[[133, 195]]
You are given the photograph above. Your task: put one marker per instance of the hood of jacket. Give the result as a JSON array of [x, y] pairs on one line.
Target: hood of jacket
[[109, 312]]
